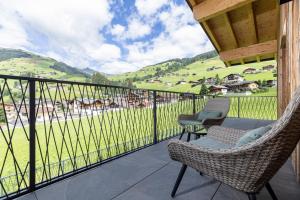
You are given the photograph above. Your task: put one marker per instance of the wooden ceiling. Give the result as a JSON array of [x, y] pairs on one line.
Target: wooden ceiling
[[242, 31]]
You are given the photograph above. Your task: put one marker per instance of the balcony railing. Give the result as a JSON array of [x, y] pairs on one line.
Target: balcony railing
[[51, 129]]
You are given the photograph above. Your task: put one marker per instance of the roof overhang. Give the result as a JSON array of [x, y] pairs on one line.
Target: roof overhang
[[242, 31]]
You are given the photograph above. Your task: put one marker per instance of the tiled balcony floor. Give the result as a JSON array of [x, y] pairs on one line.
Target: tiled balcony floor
[[149, 174]]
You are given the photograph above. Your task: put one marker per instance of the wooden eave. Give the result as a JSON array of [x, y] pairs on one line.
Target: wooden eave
[[242, 31]]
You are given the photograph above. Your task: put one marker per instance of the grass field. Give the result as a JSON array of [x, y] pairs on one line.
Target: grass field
[[76, 137]]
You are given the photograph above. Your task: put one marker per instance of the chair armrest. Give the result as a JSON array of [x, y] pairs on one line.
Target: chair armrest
[[213, 121], [226, 135], [237, 167]]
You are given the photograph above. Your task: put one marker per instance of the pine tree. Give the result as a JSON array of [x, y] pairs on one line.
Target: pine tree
[[2, 116], [203, 90], [218, 80]]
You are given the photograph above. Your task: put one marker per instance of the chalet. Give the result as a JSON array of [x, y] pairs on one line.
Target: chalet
[[193, 82], [217, 89], [271, 83], [154, 81], [232, 78], [113, 105], [168, 84], [160, 98], [210, 80], [268, 67], [212, 68], [250, 71], [243, 86], [201, 80], [185, 96], [180, 83]]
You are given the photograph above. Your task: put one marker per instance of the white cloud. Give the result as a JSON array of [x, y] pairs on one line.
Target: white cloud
[[70, 26], [117, 67], [106, 52], [183, 37], [75, 32], [11, 32], [117, 30], [149, 7], [137, 29]]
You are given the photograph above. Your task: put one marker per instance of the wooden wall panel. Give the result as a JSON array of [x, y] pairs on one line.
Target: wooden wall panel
[[289, 62]]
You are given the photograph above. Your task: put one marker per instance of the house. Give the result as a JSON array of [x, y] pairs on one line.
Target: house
[[271, 83], [185, 96], [168, 84], [268, 68], [217, 89], [232, 78], [250, 71], [210, 80], [213, 68], [180, 83], [243, 86], [113, 105], [193, 82], [154, 81], [201, 80]]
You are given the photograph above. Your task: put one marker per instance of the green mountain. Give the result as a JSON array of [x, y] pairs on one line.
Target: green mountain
[[22, 63], [182, 74]]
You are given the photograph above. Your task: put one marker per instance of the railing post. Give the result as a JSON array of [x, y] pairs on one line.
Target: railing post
[[194, 103], [32, 119], [238, 107], [154, 118]]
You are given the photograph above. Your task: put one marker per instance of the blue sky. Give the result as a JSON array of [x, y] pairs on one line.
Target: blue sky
[[111, 36]]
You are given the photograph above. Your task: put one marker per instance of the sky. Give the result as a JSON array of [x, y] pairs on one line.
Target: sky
[[111, 36]]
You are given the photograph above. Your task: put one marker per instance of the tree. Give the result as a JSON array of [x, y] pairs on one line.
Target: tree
[[264, 83], [203, 90], [259, 83], [129, 83], [98, 78], [218, 80], [2, 116], [202, 80]]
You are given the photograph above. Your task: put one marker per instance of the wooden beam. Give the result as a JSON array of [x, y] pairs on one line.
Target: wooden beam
[[228, 24], [193, 2], [252, 23], [250, 51], [211, 8], [211, 35]]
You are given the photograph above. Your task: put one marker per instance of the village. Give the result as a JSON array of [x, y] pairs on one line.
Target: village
[[16, 114], [233, 84]]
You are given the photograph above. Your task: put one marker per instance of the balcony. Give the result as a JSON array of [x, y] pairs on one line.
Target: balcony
[[53, 130], [150, 174]]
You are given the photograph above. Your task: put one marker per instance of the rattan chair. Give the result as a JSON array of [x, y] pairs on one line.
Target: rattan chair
[[247, 168], [192, 125]]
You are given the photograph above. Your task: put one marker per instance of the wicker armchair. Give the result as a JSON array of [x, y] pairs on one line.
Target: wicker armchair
[[247, 168], [220, 104]]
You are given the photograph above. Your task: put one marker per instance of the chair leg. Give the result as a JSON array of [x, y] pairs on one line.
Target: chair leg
[[182, 133], [271, 191], [179, 178], [188, 137], [251, 196]]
